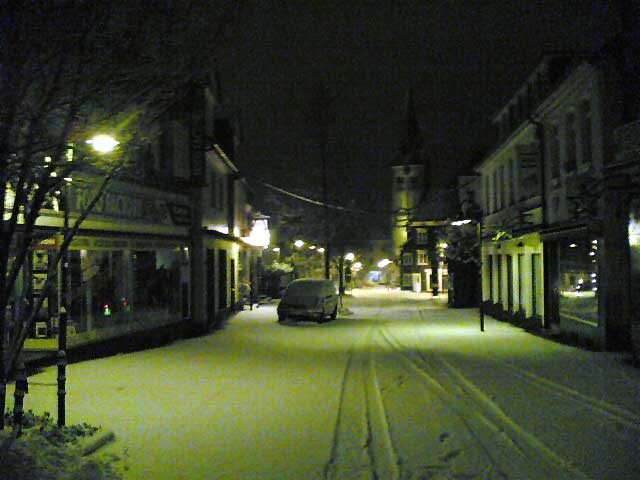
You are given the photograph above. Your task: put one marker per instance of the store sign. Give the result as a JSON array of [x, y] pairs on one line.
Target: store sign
[[180, 214], [127, 206]]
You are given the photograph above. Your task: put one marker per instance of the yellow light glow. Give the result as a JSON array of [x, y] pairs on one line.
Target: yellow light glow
[[103, 143], [298, 243], [320, 250], [312, 247], [350, 256], [357, 266], [443, 245], [259, 235], [276, 249], [47, 159]]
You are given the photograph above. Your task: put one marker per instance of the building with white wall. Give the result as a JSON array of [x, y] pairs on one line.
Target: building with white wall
[[552, 217]]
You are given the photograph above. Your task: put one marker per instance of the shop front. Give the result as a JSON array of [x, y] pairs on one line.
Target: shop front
[[126, 271]]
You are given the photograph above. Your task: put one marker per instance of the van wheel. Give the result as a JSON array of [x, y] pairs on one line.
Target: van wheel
[[334, 314]]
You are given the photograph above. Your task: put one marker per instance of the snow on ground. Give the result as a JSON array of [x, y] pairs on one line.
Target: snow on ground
[[401, 389]]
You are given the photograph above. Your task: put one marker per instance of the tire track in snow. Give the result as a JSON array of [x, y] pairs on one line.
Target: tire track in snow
[[612, 412], [430, 384], [480, 414], [362, 447]]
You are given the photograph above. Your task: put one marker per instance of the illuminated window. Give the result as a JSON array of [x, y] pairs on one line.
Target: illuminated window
[[422, 257]]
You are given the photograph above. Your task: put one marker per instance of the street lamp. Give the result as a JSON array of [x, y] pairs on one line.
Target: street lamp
[[459, 223], [299, 243], [102, 144]]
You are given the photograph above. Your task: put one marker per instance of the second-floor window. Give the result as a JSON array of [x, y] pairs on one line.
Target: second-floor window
[[496, 191], [407, 258], [570, 144], [512, 181], [585, 131], [216, 185], [487, 195], [421, 237], [421, 257], [554, 151]]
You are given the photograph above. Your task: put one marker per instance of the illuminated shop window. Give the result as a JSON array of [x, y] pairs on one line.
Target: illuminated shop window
[[578, 280]]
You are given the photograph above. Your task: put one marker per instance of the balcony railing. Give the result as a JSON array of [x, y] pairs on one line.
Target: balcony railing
[[627, 137]]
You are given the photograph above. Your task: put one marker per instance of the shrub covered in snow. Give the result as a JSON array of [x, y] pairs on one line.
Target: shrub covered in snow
[[48, 452]]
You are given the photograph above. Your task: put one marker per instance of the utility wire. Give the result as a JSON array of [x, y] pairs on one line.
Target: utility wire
[[317, 202]]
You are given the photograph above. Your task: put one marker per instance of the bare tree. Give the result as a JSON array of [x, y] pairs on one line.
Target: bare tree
[[69, 69]]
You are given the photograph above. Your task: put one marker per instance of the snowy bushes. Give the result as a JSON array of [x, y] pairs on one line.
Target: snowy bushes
[[48, 452]]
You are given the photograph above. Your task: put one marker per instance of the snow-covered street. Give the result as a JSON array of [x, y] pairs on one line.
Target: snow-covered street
[[402, 388]]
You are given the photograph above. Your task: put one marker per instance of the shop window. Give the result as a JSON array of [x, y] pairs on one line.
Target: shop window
[[490, 275], [109, 287], [499, 268], [521, 301], [578, 281], [634, 247]]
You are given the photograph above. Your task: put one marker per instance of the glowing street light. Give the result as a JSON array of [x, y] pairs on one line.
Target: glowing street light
[[298, 243], [384, 262], [103, 143], [320, 250], [350, 257]]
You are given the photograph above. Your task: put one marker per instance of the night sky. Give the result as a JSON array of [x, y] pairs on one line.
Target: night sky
[[463, 60]]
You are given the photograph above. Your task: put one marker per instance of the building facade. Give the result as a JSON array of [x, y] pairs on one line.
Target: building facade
[[555, 219], [167, 245]]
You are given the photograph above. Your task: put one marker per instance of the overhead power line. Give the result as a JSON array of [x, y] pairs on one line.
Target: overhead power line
[[318, 203]]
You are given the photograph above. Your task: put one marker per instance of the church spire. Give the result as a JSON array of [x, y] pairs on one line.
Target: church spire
[[412, 141]]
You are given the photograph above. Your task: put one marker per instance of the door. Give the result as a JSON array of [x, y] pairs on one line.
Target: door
[[222, 279], [211, 284]]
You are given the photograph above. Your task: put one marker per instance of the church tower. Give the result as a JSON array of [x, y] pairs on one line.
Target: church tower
[[407, 177]]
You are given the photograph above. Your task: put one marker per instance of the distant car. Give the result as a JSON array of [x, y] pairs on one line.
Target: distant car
[[307, 298]]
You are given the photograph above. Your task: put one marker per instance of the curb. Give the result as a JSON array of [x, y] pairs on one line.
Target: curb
[[96, 442]]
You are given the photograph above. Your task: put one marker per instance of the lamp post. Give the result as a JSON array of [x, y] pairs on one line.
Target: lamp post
[[102, 144], [459, 223]]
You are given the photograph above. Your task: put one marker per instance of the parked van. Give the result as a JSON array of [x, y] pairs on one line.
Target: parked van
[[307, 298]]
